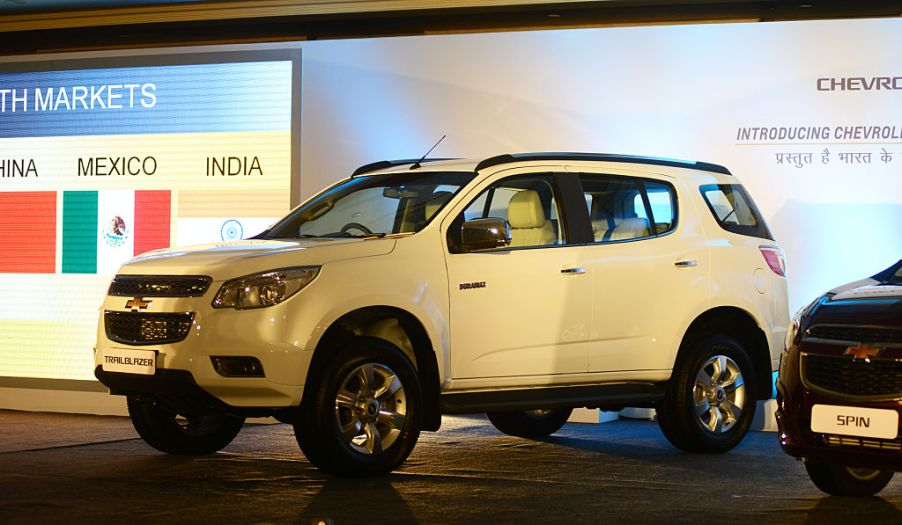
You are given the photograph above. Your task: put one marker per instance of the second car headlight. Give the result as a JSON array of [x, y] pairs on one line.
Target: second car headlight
[[796, 322], [264, 289]]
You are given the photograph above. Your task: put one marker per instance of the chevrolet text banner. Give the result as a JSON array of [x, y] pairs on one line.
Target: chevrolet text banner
[[105, 158]]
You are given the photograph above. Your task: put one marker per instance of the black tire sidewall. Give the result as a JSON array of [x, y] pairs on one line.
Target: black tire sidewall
[[157, 426], [837, 481], [523, 424], [317, 430], [680, 424]]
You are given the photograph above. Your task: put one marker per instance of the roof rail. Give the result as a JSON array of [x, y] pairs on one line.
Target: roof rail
[[602, 157], [382, 164]]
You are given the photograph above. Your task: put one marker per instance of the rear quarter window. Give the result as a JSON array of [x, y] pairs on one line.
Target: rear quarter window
[[734, 210]]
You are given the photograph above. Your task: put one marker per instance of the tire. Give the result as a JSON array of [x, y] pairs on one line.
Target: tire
[[530, 424], [847, 481], [710, 401], [362, 416], [197, 434]]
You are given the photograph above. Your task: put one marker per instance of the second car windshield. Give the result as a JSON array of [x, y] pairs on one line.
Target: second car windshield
[[374, 205]]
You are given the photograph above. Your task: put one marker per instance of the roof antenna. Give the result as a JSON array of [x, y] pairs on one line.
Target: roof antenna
[[419, 163]]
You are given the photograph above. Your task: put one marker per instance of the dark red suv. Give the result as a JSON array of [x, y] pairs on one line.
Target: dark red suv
[[839, 393]]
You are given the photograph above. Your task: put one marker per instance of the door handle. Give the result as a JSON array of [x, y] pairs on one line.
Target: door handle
[[573, 270], [686, 263]]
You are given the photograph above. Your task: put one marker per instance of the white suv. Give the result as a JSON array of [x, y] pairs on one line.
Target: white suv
[[521, 286]]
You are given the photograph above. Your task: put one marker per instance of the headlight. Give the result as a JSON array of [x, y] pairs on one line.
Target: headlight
[[796, 322], [264, 289]]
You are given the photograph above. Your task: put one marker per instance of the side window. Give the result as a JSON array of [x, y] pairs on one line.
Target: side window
[[616, 208], [734, 210], [662, 200], [529, 204]]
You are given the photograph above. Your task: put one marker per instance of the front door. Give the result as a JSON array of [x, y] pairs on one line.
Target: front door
[[524, 310]]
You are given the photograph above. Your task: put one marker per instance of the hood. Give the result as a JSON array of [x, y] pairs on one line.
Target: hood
[[867, 289], [884, 285], [227, 260]]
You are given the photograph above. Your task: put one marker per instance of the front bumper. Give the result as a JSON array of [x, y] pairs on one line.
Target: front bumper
[[794, 403], [176, 389], [266, 334]]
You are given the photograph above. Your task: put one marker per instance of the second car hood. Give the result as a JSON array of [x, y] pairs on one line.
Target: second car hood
[[867, 289], [227, 260]]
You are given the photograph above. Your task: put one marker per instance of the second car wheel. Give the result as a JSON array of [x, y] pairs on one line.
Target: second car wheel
[[710, 401], [530, 424], [838, 480], [362, 415], [169, 431]]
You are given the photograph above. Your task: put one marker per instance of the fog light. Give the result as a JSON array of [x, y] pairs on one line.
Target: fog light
[[236, 366]]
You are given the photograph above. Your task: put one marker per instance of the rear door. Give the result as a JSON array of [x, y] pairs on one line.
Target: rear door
[[648, 267]]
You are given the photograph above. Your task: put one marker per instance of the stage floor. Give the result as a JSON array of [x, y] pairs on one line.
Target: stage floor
[[58, 468]]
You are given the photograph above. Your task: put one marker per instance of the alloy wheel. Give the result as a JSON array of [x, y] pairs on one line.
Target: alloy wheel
[[719, 394], [370, 408]]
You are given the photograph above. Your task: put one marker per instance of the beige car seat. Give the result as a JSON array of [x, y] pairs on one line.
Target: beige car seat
[[632, 228], [529, 227]]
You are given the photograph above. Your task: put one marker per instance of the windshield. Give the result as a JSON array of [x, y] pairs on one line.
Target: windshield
[[375, 205]]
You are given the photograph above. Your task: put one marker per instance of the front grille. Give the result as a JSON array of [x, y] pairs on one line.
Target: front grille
[[160, 285], [870, 443], [865, 378], [142, 328], [856, 334]]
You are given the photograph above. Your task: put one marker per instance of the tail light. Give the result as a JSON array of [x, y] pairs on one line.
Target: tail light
[[775, 259]]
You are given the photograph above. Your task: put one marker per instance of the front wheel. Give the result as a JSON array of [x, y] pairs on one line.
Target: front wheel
[[530, 424], [710, 401], [182, 434], [362, 416], [847, 481]]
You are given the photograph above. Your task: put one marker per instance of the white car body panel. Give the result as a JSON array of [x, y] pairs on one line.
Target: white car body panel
[[530, 326]]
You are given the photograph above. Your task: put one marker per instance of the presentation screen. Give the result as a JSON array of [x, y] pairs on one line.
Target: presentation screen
[[105, 158]]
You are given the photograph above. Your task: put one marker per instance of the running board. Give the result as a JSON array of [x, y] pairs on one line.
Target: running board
[[614, 396]]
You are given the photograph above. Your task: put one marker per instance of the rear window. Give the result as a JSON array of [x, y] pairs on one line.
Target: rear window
[[734, 210]]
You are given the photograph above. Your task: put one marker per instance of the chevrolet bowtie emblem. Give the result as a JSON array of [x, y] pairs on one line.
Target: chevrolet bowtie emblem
[[862, 351], [137, 304]]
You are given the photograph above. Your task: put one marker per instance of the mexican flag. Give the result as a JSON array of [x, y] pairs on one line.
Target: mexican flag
[[103, 229]]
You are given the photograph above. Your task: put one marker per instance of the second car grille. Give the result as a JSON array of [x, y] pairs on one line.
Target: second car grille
[[865, 378], [879, 444], [856, 334], [143, 328], [160, 285]]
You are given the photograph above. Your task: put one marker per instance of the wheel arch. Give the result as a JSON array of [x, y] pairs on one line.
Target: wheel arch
[[393, 325], [740, 324]]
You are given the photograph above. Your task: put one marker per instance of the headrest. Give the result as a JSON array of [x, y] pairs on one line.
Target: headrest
[[435, 202], [525, 210]]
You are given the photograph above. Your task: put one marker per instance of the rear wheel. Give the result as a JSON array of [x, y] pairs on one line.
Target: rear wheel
[[847, 481], [172, 432], [710, 401], [362, 416], [530, 424]]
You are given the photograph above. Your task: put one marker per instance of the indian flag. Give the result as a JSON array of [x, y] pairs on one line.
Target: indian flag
[[103, 229], [212, 216]]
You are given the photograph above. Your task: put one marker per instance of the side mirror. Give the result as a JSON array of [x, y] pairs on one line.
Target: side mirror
[[484, 234]]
